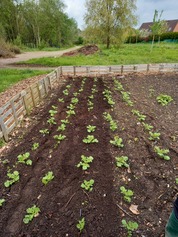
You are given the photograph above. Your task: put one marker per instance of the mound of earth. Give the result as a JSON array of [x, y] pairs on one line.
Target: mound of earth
[[86, 50]]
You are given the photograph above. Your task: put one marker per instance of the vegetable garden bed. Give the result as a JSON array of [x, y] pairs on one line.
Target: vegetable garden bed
[[101, 160]]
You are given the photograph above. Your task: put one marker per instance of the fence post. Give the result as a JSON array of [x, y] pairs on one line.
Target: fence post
[[3, 127], [122, 69], [14, 111], [148, 68]]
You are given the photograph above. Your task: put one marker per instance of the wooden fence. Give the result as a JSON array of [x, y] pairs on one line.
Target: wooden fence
[[21, 104]]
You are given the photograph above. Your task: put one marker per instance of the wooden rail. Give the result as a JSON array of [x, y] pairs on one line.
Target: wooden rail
[[21, 104]]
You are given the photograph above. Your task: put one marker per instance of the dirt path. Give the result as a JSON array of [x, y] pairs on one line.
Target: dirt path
[[7, 62]]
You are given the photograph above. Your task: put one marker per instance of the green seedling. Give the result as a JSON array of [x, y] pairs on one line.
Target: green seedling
[[88, 185], [90, 139], [81, 225], [4, 162], [122, 161], [118, 86], [65, 92], [24, 158], [126, 98], [141, 117], [130, 226], [52, 112], [2, 201], [65, 121], [117, 141], [62, 127], [70, 112], [68, 86], [176, 180], [75, 94], [147, 126], [107, 116], [74, 101], [162, 153], [61, 100], [90, 103], [127, 193], [164, 99], [84, 163], [154, 136], [35, 146], [91, 97], [71, 107], [48, 177], [44, 131], [91, 128], [59, 138], [13, 178], [93, 90], [31, 213], [113, 125], [51, 121]]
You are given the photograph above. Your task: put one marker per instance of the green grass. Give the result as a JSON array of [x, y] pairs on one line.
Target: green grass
[[8, 77], [127, 54]]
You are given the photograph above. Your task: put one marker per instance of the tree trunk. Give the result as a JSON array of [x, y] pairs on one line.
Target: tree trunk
[[153, 39], [108, 42]]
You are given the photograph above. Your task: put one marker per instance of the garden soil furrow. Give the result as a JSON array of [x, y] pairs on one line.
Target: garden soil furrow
[[62, 201]]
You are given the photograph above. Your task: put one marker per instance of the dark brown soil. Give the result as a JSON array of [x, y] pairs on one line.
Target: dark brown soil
[[63, 202], [86, 50]]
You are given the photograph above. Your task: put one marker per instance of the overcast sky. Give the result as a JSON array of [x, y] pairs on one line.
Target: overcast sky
[[145, 10]]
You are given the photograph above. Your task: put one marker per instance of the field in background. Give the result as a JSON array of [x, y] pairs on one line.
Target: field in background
[[127, 54]]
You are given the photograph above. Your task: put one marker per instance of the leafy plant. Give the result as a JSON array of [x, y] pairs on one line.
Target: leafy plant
[[71, 107], [84, 163], [117, 141], [128, 193], [74, 101], [164, 99], [147, 126], [61, 100], [65, 92], [35, 146], [48, 177], [91, 128], [70, 112], [126, 98], [51, 120], [62, 127], [107, 116], [154, 136], [90, 139], [118, 85], [31, 213], [81, 225], [113, 125], [59, 138], [141, 117], [130, 226], [52, 112], [23, 158], [65, 121], [162, 153], [68, 86], [88, 185], [13, 178], [44, 131], [2, 200], [122, 161]]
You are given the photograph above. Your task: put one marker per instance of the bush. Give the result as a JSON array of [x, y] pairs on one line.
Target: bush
[[5, 51]]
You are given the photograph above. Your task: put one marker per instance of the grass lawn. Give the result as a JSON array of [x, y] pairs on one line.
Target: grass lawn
[[127, 54], [9, 77]]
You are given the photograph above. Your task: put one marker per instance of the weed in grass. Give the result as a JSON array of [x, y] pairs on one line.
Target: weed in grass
[[2, 201], [84, 163], [90, 139], [122, 161], [117, 141], [130, 226], [88, 185], [91, 128], [31, 213], [23, 158], [48, 177], [35, 146], [2, 143], [162, 153], [81, 225], [13, 178], [128, 193], [164, 99]]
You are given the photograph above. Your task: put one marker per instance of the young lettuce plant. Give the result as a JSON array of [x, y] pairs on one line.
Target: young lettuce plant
[[35, 146], [47, 178], [2, 201], [91, 128], [81, 225], [162, 153], [44, 131], [90, 139], [23, 158], [128, 193], [121, 161], [164, 99], [31, 213], [88, 185], [59, 138], [13, 178], [66, 92], [117, 142], [113, 125], [130, 226], [51, 121], [61, 100], [85, 161], [62, 127], [154, 136], [147, 126]]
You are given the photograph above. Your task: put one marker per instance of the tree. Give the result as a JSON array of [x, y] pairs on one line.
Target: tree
[[107, 19]]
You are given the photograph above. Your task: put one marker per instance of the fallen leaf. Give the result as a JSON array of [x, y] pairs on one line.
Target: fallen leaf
[[134, 209]]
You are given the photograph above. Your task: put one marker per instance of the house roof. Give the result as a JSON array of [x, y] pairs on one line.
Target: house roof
[[171, 25]]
